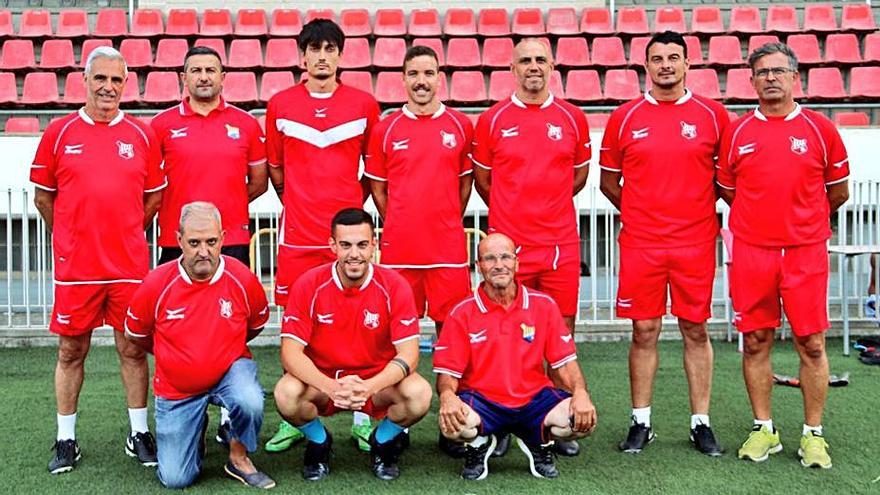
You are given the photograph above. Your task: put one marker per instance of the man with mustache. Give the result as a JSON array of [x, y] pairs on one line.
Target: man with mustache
[[783, 169], [350, 342], [99, 181]]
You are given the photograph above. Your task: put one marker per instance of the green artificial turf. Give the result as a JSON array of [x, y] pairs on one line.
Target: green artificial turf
[[669, 465]]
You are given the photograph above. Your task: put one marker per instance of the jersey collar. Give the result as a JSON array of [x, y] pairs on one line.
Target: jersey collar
[[794, 113], [186, 108], [219, 273], [485, 304], [338, 282], [439, 112], [516, 101], [88, 120], [687, 96]]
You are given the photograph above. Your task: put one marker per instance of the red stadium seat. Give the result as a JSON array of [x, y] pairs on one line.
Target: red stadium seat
[[22, 125], [806, 48], [842, 49], [147, 23], [739, 86], [825, 83], [758, 40], [572, 52], [443, 89], [170, 53], [35, 24], [356, 54], [137, 52], [57, 54], [864, 83], [857, 17], [40, 88], [637, 50], [275, 81], [111, 23], [596, 20], [820, 18], [424, 22], [608, 52], [872, 47], [217, 44], [391, 22], [355, 22], [313, 14], [502, 84], [842, 119], [493, 22], [389, 88], [6, 23], [240, 87], [695, 50], [362, 80], [245, 54], [435, 44], [704, 82], [17, 54], [74, 89], [72, 23], [285, 22], [8, 88], [597, 120], [132, 91], [555, 84], [282, 53], [460, 22], [746, 20], [182, 22], [632, 20], [782, 19], [91, 44], [389, 53], [468, 87], [497, 52], [562, 21], [732, 115], [725, 50], [528, 22], [669, 19], [463, 53], [162, 88], [707, 20], [216, 22], [251, 22], [621, 85]]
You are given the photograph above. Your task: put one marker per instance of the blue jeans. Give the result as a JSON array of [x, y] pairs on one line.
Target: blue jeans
[[180, 424]]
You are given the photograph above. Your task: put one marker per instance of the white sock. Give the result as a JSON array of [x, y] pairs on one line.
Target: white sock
[[224, 416], [817, 430], [642, 415], [478, 441], [66, 427], [138, 419], [765, 422], [360, 418], [699, 419]]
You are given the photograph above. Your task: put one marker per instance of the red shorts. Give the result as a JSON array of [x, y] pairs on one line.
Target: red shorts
[[80, 308], [555, 270], [438, 288], [761, 276], [293, 262], [645, 273]]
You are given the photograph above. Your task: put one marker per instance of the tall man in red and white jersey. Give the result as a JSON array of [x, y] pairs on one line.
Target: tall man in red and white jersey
[[663, 146], [783, 169], [98, 181], [316, 134], [350, 342], [531, 155]]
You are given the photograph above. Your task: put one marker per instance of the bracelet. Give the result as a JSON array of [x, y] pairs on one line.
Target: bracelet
[[403, 366]]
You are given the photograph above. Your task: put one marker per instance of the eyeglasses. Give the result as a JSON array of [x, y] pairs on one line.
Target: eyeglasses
[[491, 259], [776, 71]]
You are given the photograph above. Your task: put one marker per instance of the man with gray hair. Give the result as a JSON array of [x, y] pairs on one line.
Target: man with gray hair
[[98, 180], [783, 169], [199, 313]]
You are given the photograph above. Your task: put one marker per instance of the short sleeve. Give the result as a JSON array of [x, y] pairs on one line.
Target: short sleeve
[[256, 143], [155, 166], [372, 114], [375, 166], [452, 353], [466, 150], [140, 319], [296, 323], [837, 160], [44, 165], [259, 305], [274, 138], [559, 347], [724, 176], [404, 319], [610, 155], [481, 154], [583, 150]]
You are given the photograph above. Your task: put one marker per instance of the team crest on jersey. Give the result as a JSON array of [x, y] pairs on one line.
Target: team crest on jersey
[[798, 146], [448, 139], [371, 320], [528, 333], [232, 132], [688, 131], [125, 150], [225, 308], [554, 132]]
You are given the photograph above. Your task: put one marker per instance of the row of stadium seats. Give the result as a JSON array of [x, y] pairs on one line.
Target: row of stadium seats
[[465, 87], [74, 23], [462, 53]]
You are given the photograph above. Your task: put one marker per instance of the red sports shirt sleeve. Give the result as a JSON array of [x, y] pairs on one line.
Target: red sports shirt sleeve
[[724, 171], [452, 353], [375, 166], [482, 143], [296, 323], [837, 163], [559, 347], [610, 154], [372, 112], [43, 168], [140, 319], [467, 149], [583, 152], [274, 139], [256, 143], [404, 319], [155, 168], [259, 305]]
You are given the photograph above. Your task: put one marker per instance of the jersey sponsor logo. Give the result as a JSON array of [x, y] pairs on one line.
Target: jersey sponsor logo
[[566, 338], [175, 314], [640, 133], [403, 144], [125, 150], [688, 131], [554, 132], [798, 146], [746, 149], [62, 319], [408, 322], [73, 149], [326, 319], [371, 320], [232, 132], [528, 332], [511, 132], [448, 139], [478, 337], [225, 308], [178, 133], [321, 113]]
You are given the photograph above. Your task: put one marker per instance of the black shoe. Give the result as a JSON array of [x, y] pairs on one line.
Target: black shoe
[[223, 434], [403, 440], [638, 437], [540, 459], [316, 462], [455, 450], [385, 456], [567, 448], [704, 441], [476, 460], [143, 447], [502, 447], [67, 454]]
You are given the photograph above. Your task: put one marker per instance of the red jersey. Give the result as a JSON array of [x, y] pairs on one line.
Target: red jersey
[[500, 352], [318, 139], [199, 328], [350, 331], [207, 158], [666, 152], [422, 158], [779, 167], [532, 151], [100, 171]]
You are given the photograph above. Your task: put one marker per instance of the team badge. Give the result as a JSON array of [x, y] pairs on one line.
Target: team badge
[[448, 139], [225, 308], [371, 320], [528, 333], [554, 132], [798, 146], [232, 132], [688, 131], [125, 150]]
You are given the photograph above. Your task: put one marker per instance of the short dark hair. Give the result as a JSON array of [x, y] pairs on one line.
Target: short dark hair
[[317, 31], [351, 216], [201, 50], [667, 37], [419, 51]]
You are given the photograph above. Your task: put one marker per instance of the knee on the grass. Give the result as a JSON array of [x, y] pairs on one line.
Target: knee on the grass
[[178, 478]]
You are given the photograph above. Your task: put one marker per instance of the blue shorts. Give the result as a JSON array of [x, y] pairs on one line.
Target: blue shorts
[[526, 422]]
